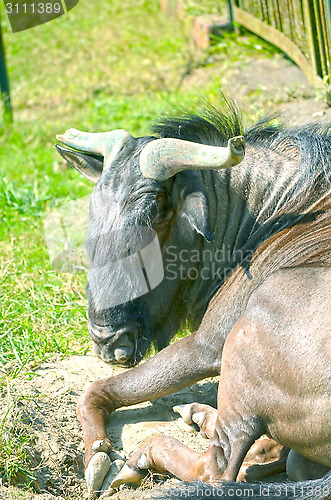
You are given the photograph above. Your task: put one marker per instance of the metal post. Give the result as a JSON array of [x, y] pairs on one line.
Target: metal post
[[230, 8], [4, 84]]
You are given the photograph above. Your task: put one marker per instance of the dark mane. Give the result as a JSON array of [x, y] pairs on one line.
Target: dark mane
[[212, 126], [309, 143]]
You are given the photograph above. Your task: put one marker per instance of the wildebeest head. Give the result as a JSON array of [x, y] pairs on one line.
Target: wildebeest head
[[143, 187]]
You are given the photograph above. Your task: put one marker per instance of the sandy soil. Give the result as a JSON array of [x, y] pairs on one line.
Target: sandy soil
[[275, 85], [57, 453], [51, 415]]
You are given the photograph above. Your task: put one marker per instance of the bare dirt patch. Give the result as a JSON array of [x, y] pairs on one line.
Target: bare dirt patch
[[265, 85], [57, 453]]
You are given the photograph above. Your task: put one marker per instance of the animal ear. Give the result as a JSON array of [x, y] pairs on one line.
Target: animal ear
[[196, 210], [89, 165], [194, 205]]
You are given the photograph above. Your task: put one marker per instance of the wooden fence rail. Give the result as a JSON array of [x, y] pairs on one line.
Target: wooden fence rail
[[300, 28]]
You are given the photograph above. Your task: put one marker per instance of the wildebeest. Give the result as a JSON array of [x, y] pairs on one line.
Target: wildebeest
[[246, 257]]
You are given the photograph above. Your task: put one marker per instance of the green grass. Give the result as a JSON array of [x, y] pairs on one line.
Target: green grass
[[105, 65], [16, 439]]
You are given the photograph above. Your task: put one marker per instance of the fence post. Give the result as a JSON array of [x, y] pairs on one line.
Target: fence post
[[4, 84]]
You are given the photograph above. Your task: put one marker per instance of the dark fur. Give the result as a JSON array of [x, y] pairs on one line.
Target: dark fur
[[310, 142]]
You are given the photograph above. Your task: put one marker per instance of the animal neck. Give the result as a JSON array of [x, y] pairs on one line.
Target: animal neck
[[259, 200]]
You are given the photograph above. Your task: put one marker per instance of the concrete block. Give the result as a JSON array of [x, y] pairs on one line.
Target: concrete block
[[205, 27]]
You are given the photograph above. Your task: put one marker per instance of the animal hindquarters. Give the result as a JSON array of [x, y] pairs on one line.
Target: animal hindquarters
[[269, 382], [276, 362]]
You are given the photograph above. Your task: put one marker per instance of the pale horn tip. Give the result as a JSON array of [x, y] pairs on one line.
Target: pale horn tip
[[68, 136], [237, 145]]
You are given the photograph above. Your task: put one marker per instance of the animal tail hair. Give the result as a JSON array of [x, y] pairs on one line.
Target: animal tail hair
[[319, 489]]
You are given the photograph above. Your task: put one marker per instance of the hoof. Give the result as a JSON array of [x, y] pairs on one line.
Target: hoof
[[114, 470], [96, 472], [199, 417], [186, 423], [126, 476], [185, 412]]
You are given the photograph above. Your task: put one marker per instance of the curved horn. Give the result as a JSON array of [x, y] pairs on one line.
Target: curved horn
[[107, 144], [163, 158]]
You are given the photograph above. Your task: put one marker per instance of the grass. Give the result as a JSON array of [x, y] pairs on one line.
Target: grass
[[16, 438], [105, 65]]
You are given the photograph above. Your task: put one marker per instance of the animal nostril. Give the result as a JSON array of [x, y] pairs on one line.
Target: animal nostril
[[121, 354], [115, 345], [122, 350]]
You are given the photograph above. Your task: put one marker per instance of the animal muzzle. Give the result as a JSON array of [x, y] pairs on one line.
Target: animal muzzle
[[115, 346]]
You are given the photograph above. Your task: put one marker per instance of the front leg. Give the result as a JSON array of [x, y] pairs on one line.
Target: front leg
[[173, 369], [166, 454], [222, 460], [163, 454]]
